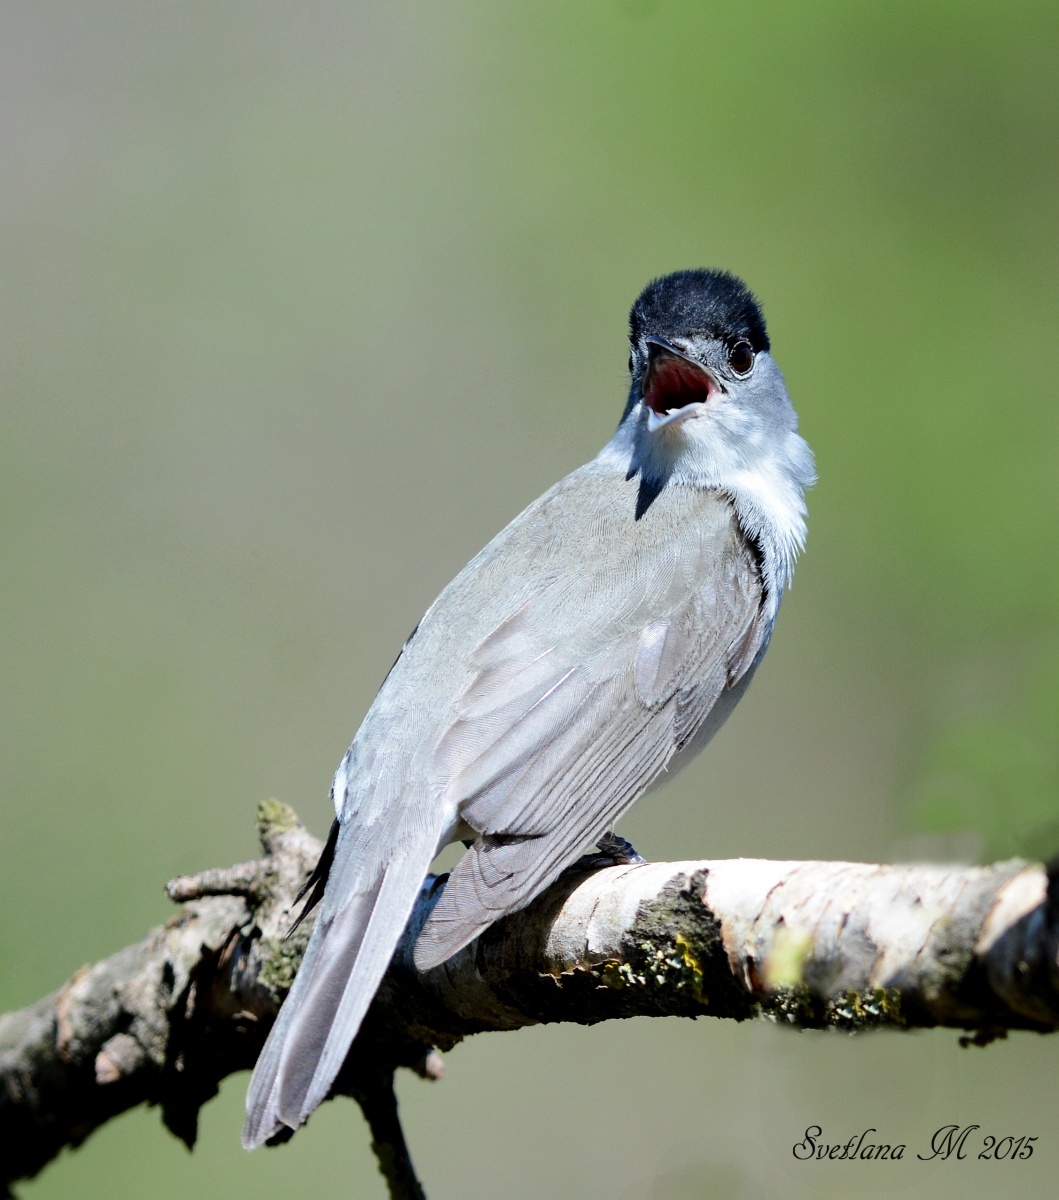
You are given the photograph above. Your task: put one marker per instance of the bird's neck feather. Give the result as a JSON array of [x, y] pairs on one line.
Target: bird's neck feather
[[765, 476]]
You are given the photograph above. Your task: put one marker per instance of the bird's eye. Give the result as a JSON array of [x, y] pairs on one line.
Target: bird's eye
[[741, 358]]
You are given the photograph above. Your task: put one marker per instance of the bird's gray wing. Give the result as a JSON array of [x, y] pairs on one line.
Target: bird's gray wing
[[580, 698]]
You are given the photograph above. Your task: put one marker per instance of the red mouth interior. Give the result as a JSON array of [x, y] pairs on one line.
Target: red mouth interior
[[673, 382]]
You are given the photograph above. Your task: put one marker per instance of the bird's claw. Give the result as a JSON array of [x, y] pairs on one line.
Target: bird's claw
[[622, 852]]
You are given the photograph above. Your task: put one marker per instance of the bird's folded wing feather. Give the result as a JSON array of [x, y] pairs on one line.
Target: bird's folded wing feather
[[578, 700]]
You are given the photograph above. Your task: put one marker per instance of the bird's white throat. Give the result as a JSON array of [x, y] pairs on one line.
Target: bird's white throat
[[764, 469]]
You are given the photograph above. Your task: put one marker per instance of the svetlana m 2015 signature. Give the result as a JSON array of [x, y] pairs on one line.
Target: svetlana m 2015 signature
[[949, 1141]]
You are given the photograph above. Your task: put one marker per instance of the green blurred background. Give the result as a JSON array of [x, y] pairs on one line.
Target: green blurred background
[[301, 304]]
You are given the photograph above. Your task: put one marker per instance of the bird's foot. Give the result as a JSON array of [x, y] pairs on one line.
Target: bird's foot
[[621, 852]]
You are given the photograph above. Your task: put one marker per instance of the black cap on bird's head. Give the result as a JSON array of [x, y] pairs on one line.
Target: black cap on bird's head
[[693, 335], [707, 303]]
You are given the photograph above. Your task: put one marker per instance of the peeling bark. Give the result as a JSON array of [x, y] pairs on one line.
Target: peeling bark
[[843, 945]]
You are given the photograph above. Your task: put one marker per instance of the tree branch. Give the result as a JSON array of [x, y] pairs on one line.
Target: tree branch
[[846, 945]]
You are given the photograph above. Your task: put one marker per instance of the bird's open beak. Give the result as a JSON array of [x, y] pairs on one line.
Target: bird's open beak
[[673, 385]]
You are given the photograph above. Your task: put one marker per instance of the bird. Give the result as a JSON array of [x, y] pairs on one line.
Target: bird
[[584, 655]]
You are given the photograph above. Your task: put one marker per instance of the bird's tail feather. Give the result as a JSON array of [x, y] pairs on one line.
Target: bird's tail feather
[[344, 963]]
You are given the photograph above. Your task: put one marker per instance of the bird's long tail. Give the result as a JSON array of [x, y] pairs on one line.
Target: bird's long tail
[[348, 953]]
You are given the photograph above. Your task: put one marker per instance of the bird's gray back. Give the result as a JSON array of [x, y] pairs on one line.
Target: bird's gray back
[[576, 595]]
